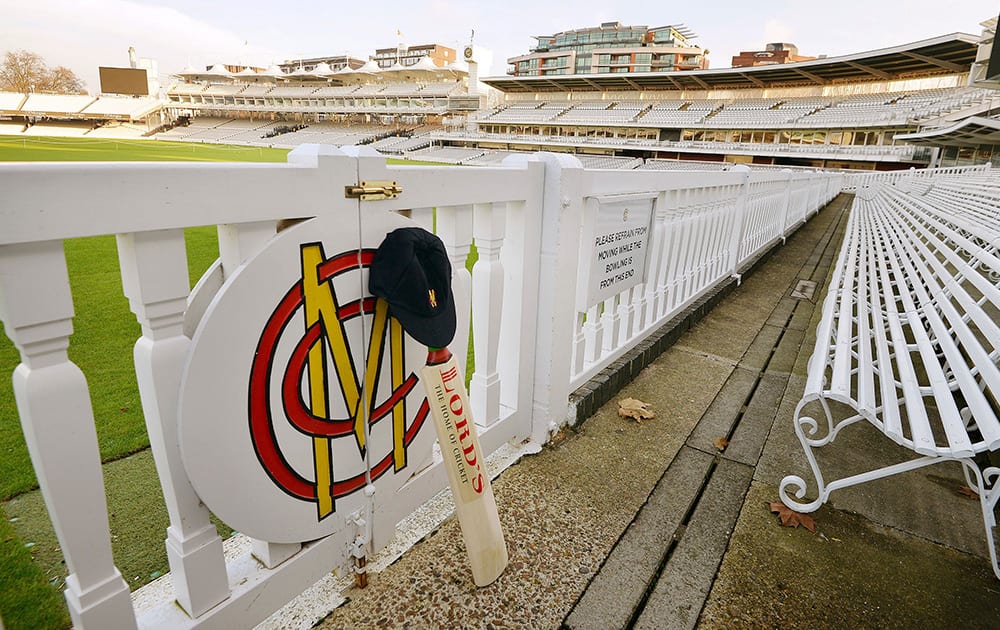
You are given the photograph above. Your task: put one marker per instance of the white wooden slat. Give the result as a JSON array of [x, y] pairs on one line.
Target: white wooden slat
[[971, 345], [891, 420], [922, 438], [958, 440], [865, 376], [840, 382]]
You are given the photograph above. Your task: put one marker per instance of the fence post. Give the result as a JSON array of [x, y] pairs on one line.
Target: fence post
[[739, 224], [786, 202], [58, 423], [562, 213], [155, 281]]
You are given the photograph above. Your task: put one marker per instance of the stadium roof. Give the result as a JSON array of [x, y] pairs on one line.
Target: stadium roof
[[947, 54], [967, 133]]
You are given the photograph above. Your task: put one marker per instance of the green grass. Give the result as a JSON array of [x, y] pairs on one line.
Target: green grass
[[32, 572], [44, 149], [27, 599]]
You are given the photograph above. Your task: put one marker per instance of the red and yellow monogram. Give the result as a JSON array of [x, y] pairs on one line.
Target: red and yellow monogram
[[325, 342]]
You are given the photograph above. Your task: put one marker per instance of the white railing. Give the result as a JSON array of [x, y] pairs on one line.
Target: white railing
[[536, 336], [706, 227], [868, 178]]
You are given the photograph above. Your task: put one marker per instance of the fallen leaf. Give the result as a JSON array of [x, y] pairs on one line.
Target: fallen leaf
[[791, 518], [635, 409], [966, 491], [721, 443]]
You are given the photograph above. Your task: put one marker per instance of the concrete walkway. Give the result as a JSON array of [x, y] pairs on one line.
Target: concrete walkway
[[662, 525]]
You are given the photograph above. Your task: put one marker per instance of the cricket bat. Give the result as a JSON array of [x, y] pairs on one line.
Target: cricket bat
[[463, 459]]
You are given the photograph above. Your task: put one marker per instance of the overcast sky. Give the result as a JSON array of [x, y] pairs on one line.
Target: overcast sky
[[85, 34]]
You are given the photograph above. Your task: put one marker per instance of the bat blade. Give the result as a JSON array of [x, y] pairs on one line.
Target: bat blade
[[475, 504]]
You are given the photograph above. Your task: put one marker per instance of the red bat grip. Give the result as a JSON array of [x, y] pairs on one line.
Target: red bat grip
[[437, 356]]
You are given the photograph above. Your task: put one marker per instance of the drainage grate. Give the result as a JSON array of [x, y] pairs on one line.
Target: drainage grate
[[804, 290]]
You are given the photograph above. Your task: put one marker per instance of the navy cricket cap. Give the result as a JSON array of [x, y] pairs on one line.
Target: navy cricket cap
[[411, 271]]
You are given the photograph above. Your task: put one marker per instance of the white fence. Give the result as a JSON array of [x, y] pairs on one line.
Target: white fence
[[538, 332], [869, 178]]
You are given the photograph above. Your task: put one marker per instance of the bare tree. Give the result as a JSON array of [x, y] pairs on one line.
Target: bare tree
[[62, 80], [24, 71]]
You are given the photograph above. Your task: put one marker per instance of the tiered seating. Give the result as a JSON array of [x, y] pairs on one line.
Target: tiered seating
[[256, 90], [118, 131], [182, 89], [325, 133], [369, 89], [449, 155], [195, 129], [811, 103], [216, 133], [737, 118], [64, 129], [248, 132], [11, 128], [400, 89], [11, 101], [609, 162], [413, 144], [683, 165], [442, 89], [56, 103], [860, 110], [291, 91], [336, 90], [490, 158], [117, 106], [530, 112], [671, 116], [223, 90]]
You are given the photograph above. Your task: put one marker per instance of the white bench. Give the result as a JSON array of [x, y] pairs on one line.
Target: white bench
[[909, 335]]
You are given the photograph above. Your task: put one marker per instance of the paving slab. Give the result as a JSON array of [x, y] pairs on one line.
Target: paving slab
[[634, 564], [787, 352], [718, 420], [782, 312], [759, 352], [852, 573], [755, 424], [682, 588]]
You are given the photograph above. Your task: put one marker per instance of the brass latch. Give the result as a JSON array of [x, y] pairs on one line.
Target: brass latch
[[373, 190]]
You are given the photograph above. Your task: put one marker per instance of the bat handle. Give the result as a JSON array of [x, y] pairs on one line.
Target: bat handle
[[436, 356]]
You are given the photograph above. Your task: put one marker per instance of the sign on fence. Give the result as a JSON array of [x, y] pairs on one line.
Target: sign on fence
[[615, 250], [289, 363]]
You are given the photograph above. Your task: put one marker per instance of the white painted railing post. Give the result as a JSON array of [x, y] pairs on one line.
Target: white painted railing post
[[488, 227], [58, 423], [155, 281], [454, 227], [237, 242], [786, 202], [739, 224], [518, 325], [657, 252], [562, 213]]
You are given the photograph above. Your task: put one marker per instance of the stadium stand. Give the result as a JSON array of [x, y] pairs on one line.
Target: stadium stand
[[683, 165], [11, 101], [65, 129], [118, 131], [54, 104], [117, 107], [11, 128], [607, 162]]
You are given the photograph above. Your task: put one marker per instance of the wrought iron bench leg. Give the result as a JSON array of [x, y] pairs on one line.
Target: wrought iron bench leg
[[986, 484], [803, 425]]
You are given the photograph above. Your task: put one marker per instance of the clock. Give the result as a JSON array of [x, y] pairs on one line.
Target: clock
[[468, 52]]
